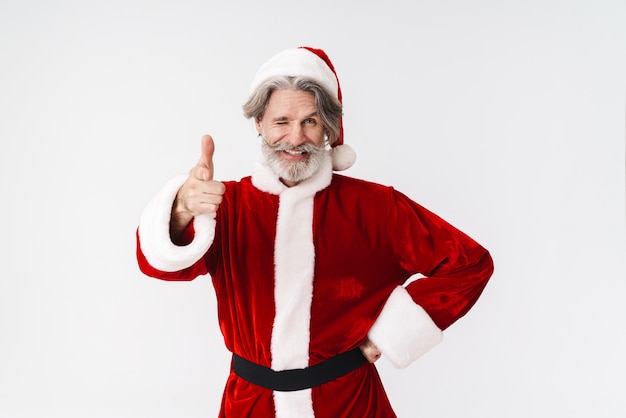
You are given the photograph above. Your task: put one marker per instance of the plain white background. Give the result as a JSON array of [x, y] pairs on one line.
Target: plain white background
[[504, 117]]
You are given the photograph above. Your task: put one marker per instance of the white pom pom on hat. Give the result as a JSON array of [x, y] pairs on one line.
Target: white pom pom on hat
[[315, 64]]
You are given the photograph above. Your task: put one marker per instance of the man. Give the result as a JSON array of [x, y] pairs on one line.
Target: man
[[310, 268]]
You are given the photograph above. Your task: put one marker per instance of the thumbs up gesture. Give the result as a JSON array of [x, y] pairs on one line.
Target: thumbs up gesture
[[200, 193]]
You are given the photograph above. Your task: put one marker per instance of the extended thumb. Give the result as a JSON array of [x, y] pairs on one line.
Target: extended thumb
[[208, 148], [206, 156]]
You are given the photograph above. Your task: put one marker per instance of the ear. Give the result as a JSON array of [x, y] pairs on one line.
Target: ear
[[259, 128]]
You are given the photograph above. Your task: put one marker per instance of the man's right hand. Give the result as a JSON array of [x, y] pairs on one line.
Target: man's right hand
[[199, 194]]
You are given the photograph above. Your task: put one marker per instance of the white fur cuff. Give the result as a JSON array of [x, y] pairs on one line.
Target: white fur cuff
[[404, 331], [154, 232]]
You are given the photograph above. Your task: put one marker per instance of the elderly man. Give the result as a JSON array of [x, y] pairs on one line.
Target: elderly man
[[311, 269]]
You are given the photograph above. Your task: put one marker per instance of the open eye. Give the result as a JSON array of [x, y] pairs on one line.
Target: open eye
[[310, 121]]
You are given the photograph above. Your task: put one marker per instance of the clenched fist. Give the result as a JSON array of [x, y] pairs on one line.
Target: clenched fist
[[199, 194]]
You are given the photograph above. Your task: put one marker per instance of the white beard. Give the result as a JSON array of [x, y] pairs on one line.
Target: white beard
[[293, 171]]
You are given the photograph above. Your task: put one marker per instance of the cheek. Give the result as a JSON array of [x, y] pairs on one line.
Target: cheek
[[275, 134], [316, 136]]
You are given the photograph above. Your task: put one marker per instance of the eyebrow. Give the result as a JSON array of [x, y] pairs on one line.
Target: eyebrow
[[285, 118]]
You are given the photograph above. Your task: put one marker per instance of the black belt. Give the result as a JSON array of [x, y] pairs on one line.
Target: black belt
[[298, 379]]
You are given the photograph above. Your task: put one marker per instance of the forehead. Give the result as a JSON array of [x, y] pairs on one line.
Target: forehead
[[290, 103]]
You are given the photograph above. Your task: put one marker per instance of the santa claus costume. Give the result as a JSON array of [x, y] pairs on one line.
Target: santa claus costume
[[305, 274]]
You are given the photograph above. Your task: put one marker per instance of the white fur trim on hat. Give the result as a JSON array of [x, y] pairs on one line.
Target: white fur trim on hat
[[297, 62]]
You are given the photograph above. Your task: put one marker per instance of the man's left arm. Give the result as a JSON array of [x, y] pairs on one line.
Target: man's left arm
[[455, 268]]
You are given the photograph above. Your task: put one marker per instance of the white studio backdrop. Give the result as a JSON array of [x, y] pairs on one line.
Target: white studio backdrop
[[505, 118]]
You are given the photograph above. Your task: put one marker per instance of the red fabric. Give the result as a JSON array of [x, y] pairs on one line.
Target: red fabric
[[368, 240]]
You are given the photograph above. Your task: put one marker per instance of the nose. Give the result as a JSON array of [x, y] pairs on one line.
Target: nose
[[296, 135]]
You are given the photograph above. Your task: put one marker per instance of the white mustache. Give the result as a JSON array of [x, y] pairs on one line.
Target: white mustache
[[282, 146]]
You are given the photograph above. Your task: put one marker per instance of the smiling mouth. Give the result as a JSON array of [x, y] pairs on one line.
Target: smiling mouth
[[295, 153]]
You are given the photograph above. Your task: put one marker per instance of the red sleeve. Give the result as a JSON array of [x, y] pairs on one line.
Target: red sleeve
[[197, 269], [456, 268]]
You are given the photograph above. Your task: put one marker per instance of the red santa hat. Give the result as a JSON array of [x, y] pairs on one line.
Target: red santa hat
[[315, 64]]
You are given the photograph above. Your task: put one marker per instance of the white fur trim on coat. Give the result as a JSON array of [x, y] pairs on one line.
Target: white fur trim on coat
[[294, 258], [404, 331], [154, 232]]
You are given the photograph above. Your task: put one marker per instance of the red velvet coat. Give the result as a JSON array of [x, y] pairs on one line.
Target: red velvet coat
[[304, 273]]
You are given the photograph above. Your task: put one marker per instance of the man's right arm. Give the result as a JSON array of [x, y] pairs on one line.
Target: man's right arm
[[162, 246]]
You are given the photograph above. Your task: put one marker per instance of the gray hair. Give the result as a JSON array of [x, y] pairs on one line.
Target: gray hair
[[328, 107]]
